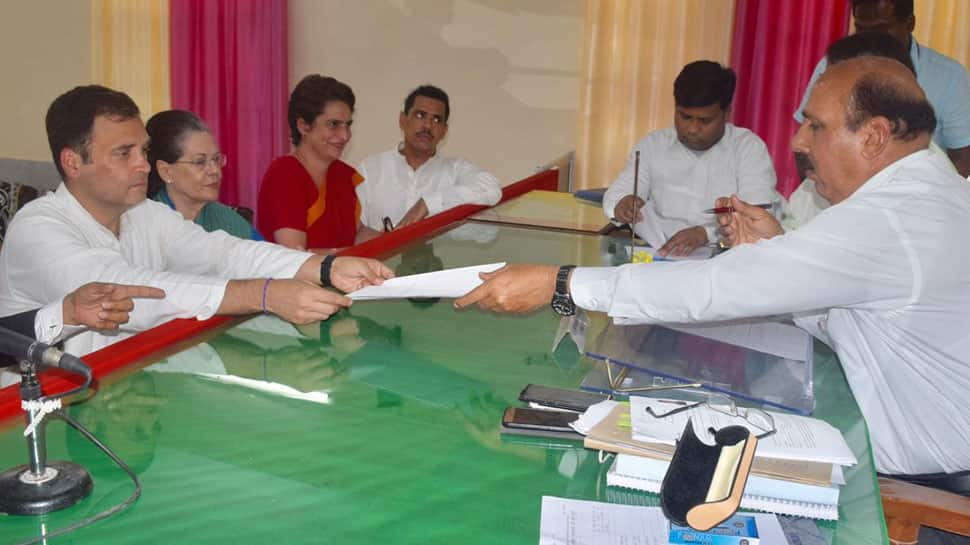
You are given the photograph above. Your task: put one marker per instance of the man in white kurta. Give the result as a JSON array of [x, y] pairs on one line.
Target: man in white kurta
[[873, 275], [684, 168], [98, 226], [679, 183], [412, 181], [56, 245]]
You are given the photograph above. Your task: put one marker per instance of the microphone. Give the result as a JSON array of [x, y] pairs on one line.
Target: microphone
[[23, 347], [40, 486]]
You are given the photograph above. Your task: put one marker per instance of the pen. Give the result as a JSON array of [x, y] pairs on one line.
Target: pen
[[633, 224], [729, 209], [388, 226]]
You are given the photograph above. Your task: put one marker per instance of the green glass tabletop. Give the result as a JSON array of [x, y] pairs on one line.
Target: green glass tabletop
[[380, 425]]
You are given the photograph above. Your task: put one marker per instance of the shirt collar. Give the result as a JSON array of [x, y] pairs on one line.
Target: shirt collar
[[400, 155], [914, 49], [886, 175], [728, 133], [64, 195]]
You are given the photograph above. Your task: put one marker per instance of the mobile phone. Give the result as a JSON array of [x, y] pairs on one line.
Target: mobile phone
[[560, 398], [539, 422]]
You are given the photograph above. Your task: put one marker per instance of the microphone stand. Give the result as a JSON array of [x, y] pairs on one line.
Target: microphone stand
[[40, 486]]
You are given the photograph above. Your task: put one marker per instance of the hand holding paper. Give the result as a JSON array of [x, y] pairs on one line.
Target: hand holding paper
[[518, 288], [446, 283]]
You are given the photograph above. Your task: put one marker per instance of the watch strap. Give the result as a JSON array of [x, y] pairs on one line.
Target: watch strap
[[326, 266]]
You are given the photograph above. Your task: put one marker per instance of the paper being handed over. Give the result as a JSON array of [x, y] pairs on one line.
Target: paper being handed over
[[446, 283]]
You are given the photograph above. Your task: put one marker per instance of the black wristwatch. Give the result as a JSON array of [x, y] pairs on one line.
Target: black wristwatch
[[325, 266], [562, 302]]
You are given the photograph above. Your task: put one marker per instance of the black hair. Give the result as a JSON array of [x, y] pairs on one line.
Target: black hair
[[874, 95], [70, 118], [902, 9], [429, 91], [876, 44], [167, 130], [702, 83], [311, 96]]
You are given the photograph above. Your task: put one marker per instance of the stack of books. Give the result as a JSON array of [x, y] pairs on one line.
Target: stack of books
[[786, 478]]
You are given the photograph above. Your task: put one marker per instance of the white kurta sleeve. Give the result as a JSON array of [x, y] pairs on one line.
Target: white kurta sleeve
[[49, 323], [471, 185], [52, 259], [192, 250], [823, 265]]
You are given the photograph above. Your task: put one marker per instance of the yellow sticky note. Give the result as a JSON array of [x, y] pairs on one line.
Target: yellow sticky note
[[642, 257]]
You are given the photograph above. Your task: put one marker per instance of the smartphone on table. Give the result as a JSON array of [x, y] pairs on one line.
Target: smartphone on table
[[539, 422], [560, 398]]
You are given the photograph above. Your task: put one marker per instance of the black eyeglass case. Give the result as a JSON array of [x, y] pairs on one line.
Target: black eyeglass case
[[704, 483]]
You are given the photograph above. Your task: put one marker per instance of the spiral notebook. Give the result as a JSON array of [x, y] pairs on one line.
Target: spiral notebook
[[760, 493]]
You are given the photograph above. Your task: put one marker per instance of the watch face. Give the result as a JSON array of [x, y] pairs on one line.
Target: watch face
[[563, 306]]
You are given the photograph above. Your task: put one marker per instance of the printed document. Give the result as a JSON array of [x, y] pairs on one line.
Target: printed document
[[796, 438], [447, 283], [578, 522]]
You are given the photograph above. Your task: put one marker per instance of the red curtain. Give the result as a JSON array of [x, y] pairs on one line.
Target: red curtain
[[774, 51], [229, 65]]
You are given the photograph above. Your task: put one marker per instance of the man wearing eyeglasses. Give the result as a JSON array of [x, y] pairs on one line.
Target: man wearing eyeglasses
[[411, 181], [98, 226]]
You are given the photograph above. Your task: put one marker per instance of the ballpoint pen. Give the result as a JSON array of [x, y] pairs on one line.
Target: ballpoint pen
[[729, 209], [388, 226], [633, 231]]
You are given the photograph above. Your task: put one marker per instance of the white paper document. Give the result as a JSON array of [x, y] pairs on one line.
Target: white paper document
[[578, 522], [447, 283], [796, 438]]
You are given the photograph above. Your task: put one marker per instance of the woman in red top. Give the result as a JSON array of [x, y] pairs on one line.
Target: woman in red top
[[308, 198]]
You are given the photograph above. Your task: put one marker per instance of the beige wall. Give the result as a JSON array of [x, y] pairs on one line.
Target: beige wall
[[45, 49], [511, 69]]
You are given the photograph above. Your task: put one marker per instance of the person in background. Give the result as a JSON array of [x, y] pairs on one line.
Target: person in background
[[411, 181], [187, 172], [944, 80], [685, 167], [805, 203], [307, 199]]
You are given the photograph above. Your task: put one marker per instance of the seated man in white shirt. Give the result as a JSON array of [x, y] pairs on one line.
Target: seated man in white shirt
[[685, 167], [98, 226], [869, 275], [411, 181]]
